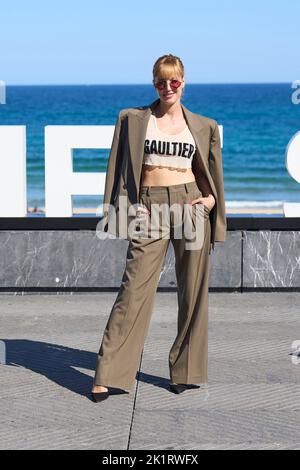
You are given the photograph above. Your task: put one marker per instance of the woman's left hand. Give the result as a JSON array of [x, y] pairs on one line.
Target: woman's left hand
[[208, 201]]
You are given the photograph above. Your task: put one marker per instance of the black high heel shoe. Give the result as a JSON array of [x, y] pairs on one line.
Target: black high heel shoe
[[100, 396], [178, 388]]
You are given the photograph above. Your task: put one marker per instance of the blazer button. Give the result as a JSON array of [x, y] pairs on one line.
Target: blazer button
[[124, 186]]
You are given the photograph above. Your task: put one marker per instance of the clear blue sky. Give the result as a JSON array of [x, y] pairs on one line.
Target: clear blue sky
[[100, 42]]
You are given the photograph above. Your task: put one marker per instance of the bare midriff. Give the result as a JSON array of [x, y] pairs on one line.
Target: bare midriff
[[158, 176]]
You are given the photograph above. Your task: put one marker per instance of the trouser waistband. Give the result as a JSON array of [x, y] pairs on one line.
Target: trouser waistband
[[182, 187]]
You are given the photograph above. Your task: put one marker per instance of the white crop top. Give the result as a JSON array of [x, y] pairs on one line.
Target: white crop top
[[168, 150]]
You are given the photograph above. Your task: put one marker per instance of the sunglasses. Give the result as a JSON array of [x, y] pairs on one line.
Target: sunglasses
[[174, 84]]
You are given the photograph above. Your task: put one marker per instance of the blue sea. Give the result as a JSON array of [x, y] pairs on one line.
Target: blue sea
[[258, 122]]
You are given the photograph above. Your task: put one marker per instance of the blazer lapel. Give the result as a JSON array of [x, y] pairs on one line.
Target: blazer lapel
[[137, 128]]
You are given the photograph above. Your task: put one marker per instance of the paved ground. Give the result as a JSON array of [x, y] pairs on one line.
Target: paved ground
[[252, 400]]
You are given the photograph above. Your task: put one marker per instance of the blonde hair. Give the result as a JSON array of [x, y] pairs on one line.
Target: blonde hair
[[166, 65]]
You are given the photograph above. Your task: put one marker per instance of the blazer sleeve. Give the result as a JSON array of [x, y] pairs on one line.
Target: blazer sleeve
[[114, 164], [216, 170]]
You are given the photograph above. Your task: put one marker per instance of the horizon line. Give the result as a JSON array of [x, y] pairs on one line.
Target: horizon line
[[145, 84]]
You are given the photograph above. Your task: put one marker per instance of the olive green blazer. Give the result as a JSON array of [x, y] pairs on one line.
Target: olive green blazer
[[124, 168]]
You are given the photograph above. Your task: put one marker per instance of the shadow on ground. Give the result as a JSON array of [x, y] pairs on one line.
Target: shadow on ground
[[58, 363]]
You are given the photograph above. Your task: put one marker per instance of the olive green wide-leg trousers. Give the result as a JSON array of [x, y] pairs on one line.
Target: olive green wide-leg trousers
[[126, 329]]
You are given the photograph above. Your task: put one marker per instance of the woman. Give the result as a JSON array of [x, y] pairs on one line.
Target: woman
[[181, 165]]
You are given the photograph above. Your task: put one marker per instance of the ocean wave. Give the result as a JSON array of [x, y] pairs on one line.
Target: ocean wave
[[258, 204]]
